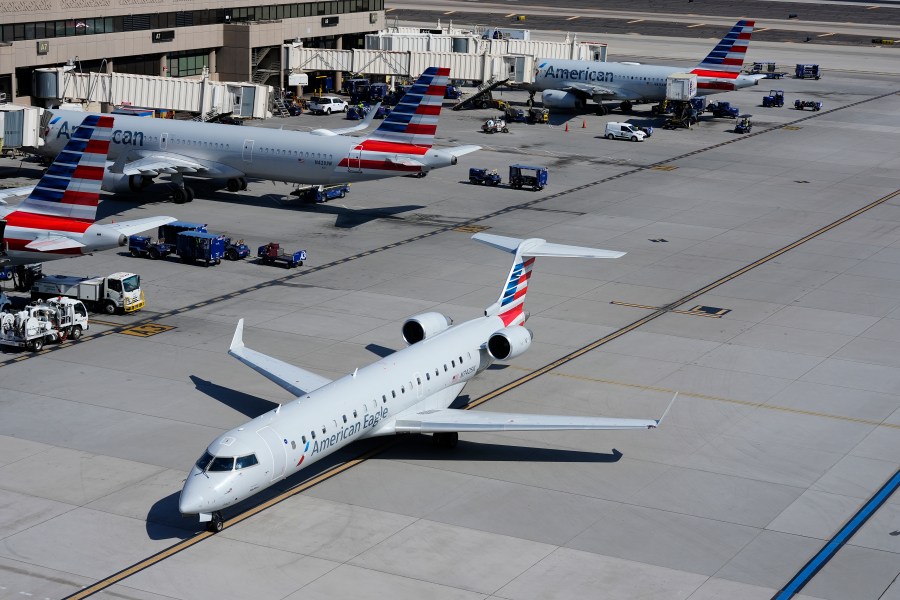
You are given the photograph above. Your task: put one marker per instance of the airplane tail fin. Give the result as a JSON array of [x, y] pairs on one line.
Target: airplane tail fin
[[71, 186], [727, 58], [510, 306], [414, 119]]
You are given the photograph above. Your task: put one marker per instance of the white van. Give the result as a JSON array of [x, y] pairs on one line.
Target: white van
[[624, 131]]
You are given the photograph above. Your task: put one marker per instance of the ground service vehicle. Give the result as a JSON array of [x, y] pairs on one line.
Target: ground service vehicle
[[624, 131], [110, 294], [325, 105], [322, 193], [723, 109], [55, 320], [377, 92], [497, 125], [515, 115], [484, 176], [192, 246], [237, 250], [272, 253], [775, 99], [768, 69], [5, 303], [167, 235], [538, 115], [522, 176], [353, 84], [804, 104], [807, 72], [744, 125], [452, 92]]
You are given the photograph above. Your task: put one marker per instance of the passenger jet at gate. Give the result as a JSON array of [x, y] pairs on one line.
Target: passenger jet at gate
[[143, 148], [571, 83], [409, 391], [56, 220]]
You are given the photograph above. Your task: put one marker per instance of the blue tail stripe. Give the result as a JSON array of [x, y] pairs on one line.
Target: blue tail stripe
[[61, 184], [46, 195]]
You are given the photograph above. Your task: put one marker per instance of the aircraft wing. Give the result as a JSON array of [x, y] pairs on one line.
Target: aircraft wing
[[590, 90], [358, 127], [139, 225], [294, 379], [451, 419], [155, 163], [15, 192], [52, 243]]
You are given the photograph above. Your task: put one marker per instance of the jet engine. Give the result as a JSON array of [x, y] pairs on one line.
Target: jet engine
[[120, 183], [423, 326], [560, 99], [509, 342]]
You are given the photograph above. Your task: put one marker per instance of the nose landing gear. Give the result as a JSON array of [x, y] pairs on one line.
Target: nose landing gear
[[216, 524]]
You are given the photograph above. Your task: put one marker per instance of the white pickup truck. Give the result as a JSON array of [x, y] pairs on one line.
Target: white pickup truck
[[325, 105]]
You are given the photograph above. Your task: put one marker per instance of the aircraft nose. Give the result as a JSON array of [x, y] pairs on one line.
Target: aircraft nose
[[191, 501]]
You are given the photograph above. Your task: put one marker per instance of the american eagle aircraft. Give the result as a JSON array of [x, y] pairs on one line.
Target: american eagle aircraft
[[143, 148], [409, 391], [571, 83], [56, 220]]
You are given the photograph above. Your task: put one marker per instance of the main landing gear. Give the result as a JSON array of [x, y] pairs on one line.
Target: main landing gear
[[626, 107], [180, 192], [236, 184], [446, 439], [216, 524]]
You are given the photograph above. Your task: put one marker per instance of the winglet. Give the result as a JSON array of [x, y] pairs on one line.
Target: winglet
[[237, 342], [669, 407]]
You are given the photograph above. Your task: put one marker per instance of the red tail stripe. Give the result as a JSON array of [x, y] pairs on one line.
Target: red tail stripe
[[510, 315], [419, 128], [80, 198], [744, 36], [714, 74], [436, 90], [87, 172], [105, 121], [97, 147], [378, 165], [391, 147], [519, 293], [27, 220], [428, 109], [738, 50], [528, 263], [445, 71]]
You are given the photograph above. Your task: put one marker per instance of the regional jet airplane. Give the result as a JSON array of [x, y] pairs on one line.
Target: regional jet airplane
[[56, 220], [143, 148], [571, 83], [409, 391]]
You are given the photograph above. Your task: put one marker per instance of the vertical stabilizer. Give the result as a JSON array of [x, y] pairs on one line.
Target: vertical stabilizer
[[414, 119], [71, 186], [727, 58]]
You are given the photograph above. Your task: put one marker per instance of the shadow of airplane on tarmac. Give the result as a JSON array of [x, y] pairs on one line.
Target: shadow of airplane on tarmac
[[246, 404]]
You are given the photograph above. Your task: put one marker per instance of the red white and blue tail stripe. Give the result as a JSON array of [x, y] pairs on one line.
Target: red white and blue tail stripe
[[727, 58], [414, 120], [512, 300], [71, 186]]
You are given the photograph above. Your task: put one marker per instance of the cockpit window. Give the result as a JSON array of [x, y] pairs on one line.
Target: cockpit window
[[222, 463], [204, 460], [243, 462]]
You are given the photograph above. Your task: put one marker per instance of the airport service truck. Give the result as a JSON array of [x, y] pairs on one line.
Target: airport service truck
[[55, 320], [110, 294]]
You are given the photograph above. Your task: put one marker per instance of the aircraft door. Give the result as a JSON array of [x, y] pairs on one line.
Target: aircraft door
[[163, 141], [277, 448], [248, 151], [354, 161]]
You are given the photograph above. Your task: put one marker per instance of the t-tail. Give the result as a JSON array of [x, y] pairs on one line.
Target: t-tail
[[510, 307], [71, 186], [404, 140]]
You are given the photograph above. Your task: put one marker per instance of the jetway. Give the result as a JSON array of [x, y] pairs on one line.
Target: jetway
[[468, 56], [201, 96]]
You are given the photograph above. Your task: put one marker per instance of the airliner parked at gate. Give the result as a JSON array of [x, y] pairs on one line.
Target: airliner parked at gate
[[409, 391], [144, 148]]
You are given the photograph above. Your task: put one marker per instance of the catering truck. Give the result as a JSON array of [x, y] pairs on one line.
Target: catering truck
[[110, 294]]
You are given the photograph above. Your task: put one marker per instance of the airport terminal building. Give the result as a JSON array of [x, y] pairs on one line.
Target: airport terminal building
[[240, 41]]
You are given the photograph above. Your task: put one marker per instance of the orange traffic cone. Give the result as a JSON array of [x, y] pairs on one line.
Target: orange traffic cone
[[583, 123], [567, 125]]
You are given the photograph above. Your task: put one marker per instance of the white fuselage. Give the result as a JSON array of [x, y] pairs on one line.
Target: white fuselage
[[229, 151], [427, 375], [633, 82]]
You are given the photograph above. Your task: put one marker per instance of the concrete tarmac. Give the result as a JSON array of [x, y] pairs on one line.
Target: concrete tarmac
[[786, 424]]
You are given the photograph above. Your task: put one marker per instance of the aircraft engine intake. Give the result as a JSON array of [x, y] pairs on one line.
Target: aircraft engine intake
[[509, 342], [423, 326], [560, 99]]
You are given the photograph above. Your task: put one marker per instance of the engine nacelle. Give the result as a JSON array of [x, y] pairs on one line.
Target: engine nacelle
[[509, 342], [120, 183], [424, 326], [561, 99]]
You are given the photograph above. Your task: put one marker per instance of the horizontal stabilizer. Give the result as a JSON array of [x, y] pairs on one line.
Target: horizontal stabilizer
[[294, 379], [539, 247], [450, 419], [358, 127], [53, 243], [462, 150], [139, 225], [15, 192]]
